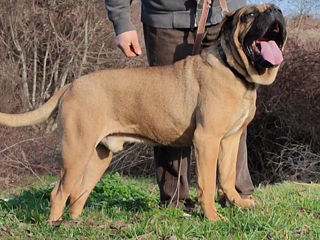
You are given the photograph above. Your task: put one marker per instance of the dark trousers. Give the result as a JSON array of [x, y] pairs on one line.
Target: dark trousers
[[165, 46]]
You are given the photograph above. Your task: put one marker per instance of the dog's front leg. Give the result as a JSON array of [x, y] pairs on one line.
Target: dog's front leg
[[227, 170], [206, 150]]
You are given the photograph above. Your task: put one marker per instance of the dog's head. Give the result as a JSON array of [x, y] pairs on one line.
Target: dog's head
[[252, 39]]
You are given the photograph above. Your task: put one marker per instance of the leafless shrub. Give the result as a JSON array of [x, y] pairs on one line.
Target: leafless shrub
[[52, 42], [296, 162], [135, 160], [23, 153]]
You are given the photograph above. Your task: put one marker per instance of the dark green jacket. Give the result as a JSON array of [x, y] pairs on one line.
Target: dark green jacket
[[165, 13]]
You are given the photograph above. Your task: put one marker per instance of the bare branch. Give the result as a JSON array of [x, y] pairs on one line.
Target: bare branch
[[42, 93], [20, 142], [35, 62], [65, 73], [23, 59], [84, 57]]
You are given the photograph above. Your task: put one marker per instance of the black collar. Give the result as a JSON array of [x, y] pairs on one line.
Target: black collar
[[235, 72]]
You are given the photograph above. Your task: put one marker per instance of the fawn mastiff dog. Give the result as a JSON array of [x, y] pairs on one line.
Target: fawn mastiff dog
[[205, 100]]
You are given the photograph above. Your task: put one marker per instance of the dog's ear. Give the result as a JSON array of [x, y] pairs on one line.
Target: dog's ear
[[227, 27], [226, 24]]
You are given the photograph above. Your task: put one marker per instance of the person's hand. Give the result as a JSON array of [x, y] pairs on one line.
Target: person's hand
[[128, 43]]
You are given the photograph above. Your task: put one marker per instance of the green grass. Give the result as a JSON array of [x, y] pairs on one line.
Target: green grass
[[124, 208]]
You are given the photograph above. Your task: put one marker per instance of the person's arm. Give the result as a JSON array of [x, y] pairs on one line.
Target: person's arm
[[126, 35]]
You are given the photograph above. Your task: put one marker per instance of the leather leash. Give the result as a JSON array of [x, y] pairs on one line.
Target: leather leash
[[202, 23], [224, 7]]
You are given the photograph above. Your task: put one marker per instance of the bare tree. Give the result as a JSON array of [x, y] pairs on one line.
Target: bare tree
[[305, 8]]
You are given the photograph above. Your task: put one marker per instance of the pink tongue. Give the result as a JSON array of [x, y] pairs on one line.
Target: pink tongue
[[271, 52]]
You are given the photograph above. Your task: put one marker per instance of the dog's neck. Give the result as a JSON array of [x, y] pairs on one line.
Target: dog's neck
[[249, 85]]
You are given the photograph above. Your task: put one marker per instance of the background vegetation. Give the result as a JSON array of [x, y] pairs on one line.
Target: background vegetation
[[47, 43]]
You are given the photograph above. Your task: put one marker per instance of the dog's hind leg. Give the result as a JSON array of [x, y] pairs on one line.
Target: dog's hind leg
[[227, 170], [76, 153], [97, 165]]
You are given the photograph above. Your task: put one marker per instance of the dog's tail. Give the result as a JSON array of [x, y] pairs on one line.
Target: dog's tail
[[33, 117]]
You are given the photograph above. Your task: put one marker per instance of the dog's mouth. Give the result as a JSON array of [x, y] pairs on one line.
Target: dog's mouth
[[265, 51], [269, 47]]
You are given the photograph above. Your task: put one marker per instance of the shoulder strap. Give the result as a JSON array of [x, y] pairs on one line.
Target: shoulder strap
[[202, 23]]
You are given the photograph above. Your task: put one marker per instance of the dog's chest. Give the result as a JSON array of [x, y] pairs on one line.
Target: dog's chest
[[239, 123], [244, 116]]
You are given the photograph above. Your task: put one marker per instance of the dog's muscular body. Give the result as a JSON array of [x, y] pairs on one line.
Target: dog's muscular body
[[205, 100]]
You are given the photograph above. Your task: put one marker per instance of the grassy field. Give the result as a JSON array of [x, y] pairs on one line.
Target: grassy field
[[125, 208]]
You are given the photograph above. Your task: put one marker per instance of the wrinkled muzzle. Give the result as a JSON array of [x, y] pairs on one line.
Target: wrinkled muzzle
[[264, 41]]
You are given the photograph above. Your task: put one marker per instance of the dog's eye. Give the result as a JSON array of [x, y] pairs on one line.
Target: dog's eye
[[248, 16], [252, 14]]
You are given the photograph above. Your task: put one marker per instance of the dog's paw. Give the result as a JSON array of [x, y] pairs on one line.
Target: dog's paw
[[256, 201], [211, 215], [56, 223], [247, 202]]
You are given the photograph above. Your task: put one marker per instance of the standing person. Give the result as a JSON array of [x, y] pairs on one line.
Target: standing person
[[169, 32]]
